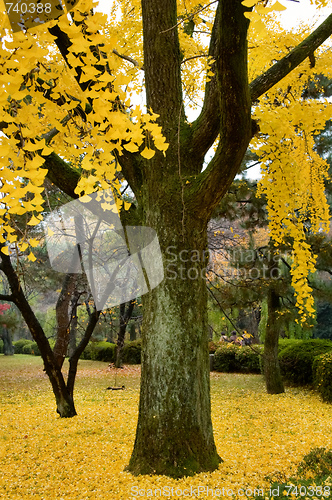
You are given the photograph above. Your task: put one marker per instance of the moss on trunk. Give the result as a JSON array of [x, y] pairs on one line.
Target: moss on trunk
[[174, 433]]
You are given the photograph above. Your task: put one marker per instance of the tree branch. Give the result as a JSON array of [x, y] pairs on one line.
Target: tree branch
[[7, 298], [234, 105], [206, 127], [279, 70], [162, 62], [61, 174], [127, 58]]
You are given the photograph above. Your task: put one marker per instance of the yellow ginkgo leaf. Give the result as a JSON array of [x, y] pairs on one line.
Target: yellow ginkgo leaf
[[5, 250], [249, 3], [47, 151], [23, 246], [148, 153], [131, 147], [33, 221], [34, 242], [278, 6], [31, 257]]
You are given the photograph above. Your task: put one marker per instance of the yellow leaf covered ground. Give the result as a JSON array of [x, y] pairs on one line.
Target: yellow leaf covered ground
[[45, 457]]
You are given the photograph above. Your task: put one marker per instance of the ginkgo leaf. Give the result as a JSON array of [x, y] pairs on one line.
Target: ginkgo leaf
[[131, 147], [249, 3], [31, 257], [5, 250], [23, 246], [47, 151], [148, 153], [30, 146], [278, 6], [36, 162], [34, 242], [33, 221]]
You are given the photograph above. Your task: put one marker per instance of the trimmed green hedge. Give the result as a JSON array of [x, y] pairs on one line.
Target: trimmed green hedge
[[322, 376], [105, 351], [96, 351], [131, 353], [282, 345], [233, 358], [20, 344], [25, 346], [297, 359]]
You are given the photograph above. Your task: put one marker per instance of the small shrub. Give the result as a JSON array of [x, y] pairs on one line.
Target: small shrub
[[26, 349], [296, 360], [317, 461], [87, 353], [284, 343], [103, 351], [1, 346], [322, 376], [224, 358], [132, 352], [19, 344], [35, 349], [248, 359], [233, 358]]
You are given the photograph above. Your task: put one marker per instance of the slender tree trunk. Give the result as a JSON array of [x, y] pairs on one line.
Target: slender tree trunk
[[125, 315], [73, 360], [273, 379], [64, 401], [63, 318], [73, 325], [174, 432], [132, 332]]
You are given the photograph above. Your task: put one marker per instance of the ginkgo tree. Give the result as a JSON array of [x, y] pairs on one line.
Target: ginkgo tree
[[66, 93]]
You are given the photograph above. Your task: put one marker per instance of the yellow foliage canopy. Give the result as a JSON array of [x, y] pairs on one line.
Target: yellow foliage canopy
[[45, 112]]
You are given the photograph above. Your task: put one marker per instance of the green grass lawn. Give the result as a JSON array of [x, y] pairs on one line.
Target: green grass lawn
[[261, 438]]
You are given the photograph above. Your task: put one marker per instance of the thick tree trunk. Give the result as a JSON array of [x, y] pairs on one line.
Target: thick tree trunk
[[174, 432], [274, 383], [8, 348]]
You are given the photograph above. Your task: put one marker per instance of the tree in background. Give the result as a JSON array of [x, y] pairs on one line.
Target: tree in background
[[52, 111], [8, 348]]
